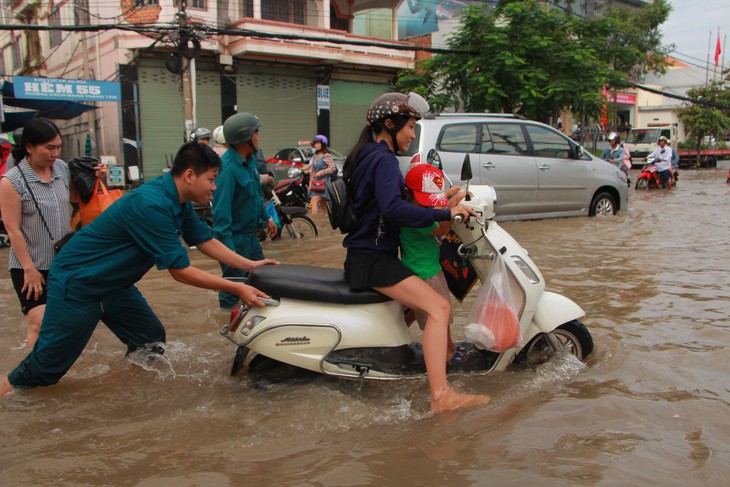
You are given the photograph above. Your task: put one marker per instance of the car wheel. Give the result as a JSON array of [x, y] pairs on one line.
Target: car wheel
[[604, 204]]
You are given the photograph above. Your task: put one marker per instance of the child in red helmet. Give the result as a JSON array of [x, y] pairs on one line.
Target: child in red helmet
[[419, 248]]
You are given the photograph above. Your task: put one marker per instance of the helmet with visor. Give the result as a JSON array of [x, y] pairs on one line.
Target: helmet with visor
[[397, 104]]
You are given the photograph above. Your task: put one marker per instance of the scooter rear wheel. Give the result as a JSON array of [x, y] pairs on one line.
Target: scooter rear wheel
[[573, 335]]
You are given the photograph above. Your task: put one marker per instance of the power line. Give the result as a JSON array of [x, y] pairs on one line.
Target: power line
[[212, 31]]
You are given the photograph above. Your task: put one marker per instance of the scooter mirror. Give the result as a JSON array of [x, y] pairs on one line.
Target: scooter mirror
[[434, 158], [466, 174]]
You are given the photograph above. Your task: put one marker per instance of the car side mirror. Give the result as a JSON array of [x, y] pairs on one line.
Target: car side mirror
[[578, 152]]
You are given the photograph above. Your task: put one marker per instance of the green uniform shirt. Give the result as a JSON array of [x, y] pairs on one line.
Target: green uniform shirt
[[419, 251], [140, 230], [238, 206]]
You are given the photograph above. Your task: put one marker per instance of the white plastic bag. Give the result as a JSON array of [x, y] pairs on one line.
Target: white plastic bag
[[493, 322]]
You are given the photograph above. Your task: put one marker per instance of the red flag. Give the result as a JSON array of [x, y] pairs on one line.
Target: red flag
[[718, 50]]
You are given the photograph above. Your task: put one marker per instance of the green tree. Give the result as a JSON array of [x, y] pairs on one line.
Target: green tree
[[528, 58], [708, 114], [630, 43]]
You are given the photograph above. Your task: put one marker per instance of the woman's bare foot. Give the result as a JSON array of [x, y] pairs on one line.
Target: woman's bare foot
[[450, 399], [5, 387]]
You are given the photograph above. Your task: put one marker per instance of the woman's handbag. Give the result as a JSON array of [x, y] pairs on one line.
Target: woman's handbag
[[57, 244], [100, 201], [317, 185]]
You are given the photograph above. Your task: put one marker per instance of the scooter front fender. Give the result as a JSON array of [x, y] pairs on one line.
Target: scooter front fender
[[553, 310]]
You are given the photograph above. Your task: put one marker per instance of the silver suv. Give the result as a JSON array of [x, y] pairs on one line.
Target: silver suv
[[536, 171]]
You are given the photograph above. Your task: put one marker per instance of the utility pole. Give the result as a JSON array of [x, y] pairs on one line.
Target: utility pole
[[186, 76]]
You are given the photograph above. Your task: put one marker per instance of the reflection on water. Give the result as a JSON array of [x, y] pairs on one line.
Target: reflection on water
[[648, 408]]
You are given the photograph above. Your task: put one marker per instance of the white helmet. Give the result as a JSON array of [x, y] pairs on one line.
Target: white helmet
[[218, 137], [614, 136]]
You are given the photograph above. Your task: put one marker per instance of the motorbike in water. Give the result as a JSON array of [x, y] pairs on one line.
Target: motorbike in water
[[314, 321], [649, 178], [293, 190], [292, 220]]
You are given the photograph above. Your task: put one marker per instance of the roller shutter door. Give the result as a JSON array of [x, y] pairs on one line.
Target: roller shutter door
[[349, 102], [286, 104], [208, 99], [161, 118]]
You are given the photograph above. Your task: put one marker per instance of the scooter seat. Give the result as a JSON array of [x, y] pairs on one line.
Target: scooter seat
[[310, 283]]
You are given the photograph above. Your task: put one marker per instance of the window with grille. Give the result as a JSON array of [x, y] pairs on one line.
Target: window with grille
[[146, 3], [338, 23], [55, 36], [290, 11], [15, 50], [81, 12], [247, 8], [190, 3]]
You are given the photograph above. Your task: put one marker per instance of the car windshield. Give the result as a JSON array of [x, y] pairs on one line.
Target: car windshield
[[643, 136]]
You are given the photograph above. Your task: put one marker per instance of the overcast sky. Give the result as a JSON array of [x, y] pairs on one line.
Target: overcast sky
[[689, 26]]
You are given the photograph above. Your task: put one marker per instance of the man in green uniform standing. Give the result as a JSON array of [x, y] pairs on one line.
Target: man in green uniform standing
[[92, 279], [238, 207]]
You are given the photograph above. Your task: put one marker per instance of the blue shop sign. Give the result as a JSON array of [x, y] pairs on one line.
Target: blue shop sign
[[66, 89]]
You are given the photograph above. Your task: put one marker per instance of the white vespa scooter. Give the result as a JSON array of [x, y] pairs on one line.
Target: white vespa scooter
[[314, 321]]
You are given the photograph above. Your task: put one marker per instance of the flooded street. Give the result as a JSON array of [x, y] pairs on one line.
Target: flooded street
[[650, 407]]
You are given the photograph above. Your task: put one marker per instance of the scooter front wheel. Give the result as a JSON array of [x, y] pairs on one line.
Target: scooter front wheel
[[642, 183], [573, 336]]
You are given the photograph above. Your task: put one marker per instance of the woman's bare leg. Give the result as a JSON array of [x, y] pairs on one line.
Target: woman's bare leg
[[33, 320], [415, 293], [314, 202], [5, 387]]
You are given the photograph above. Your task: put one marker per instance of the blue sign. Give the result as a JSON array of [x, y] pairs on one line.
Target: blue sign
[[66, 89]]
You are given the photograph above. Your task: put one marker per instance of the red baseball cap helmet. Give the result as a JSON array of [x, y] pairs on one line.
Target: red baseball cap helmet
[[427, 183]]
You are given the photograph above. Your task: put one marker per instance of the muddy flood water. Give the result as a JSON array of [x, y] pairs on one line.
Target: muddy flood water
[[650, 406]]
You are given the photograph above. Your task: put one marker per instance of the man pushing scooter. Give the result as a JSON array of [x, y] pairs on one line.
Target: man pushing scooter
[[92, 279]]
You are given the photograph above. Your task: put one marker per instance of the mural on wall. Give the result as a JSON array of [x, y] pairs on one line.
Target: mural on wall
[[421, 17]]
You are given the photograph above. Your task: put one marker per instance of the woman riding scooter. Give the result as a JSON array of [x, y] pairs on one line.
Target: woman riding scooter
[[372, 248]]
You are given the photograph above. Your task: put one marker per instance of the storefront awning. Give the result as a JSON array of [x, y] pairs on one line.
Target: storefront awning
[[53, 109]]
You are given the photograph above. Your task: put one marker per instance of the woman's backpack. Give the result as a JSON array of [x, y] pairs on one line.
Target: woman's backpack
[[340, 207]]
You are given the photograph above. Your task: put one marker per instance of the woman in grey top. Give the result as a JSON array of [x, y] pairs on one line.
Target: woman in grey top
[[39, 182]]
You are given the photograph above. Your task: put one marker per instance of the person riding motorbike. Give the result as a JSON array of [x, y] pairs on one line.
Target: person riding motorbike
[[663, 155], [219, 141], [614, 153], [201, 135], [376, 185]]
